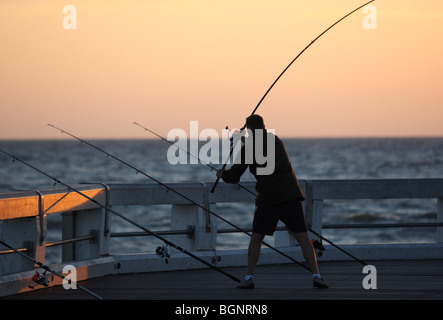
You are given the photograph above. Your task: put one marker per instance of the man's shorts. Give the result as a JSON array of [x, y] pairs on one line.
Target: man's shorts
[[290, 213]]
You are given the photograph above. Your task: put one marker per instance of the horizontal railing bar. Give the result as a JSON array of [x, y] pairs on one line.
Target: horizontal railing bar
[[354, 225], [352, 189], [143, 234], [246, 229], [53, 244], [67, 241], [12, 251], [17, 204], [190, 232], [325, 226], [221, 231], [381, 225]]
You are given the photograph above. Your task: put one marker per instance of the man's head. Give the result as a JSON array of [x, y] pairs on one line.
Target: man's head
[[254, 122]]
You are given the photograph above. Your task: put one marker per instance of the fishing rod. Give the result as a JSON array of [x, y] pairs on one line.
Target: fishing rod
[[281, 74], [337, 247], [176, 192], [166, 241], [190, 154], [253, 193], [41, 278]]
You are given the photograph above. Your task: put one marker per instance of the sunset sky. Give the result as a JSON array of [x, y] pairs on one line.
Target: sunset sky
[[165, 63]]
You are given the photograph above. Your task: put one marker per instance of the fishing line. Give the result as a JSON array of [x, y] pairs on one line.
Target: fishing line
[[281, 74], [176, 192], [253, 193], [41, 279], [167, 242]]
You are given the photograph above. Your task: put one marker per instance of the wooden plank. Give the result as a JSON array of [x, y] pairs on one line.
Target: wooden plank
[[72, 201], [21, 207], [55, 200], [399, 280]]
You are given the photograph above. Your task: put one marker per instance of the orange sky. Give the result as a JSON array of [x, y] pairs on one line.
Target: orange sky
[[164, 63]]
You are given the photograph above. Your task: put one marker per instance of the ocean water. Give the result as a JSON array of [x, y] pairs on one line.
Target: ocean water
[[361, 158]]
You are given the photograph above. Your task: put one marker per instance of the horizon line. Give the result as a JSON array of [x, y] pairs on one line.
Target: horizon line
[[190, 138]]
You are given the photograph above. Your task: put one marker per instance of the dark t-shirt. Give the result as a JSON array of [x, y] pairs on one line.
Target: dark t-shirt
[[279, 186]]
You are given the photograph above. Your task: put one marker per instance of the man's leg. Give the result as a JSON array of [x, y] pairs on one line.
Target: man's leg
[[309, 254], [253, 256], [254, 252], [307, 250]]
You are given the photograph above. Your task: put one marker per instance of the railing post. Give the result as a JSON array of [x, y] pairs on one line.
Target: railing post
[[189, 216], [88, 222], [91, 222], [313, 209], [29, 233], [284, 238]]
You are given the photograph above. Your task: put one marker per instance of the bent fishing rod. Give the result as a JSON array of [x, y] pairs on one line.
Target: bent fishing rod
[[166, 241], [287, 67], [43, 280], [138, 171], [254, 194]]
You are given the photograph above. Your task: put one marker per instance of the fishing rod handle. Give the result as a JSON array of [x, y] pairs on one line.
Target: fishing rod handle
[[224, 166], [217, 180], [215, 185]]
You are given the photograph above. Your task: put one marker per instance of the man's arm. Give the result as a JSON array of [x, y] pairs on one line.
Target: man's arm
[[233, 174]]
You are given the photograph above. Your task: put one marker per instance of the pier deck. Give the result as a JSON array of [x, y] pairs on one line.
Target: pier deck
[[396, 279]]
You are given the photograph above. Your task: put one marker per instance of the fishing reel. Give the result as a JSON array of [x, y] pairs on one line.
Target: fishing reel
[[233, 135], [39, 279], [318, 245], [163, 252]]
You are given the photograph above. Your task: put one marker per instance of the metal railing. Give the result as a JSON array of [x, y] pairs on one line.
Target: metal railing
[[86, 226]]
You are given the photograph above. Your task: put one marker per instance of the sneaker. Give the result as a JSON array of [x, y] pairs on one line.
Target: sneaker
[[246, 284], [320, 283]]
